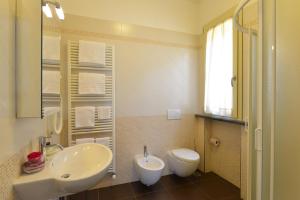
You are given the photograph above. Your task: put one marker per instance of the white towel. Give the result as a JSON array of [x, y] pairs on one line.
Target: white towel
[[103, 140], [85, 140], [91, 53], [50, 111], [51, 82], [91, 83], [51, 50], [104, 112], [84, 116]]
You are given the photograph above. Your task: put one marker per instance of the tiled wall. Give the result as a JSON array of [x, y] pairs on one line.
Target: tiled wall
[[15, 133], [158, 133], [10, 170], [224, 160]]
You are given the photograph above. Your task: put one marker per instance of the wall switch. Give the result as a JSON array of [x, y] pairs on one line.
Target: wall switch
[[174, 114]]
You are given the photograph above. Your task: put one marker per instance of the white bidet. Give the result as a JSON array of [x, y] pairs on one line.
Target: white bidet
[[149, 170]]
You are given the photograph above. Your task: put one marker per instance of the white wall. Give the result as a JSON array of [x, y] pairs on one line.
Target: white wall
[[209, 9], [150, 79], [14, 134], [177, 15]]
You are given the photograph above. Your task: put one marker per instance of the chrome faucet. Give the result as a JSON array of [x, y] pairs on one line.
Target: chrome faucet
[[146, 154], [43, 144]]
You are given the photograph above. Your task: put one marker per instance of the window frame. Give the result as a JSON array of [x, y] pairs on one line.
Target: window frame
[[237, 111]]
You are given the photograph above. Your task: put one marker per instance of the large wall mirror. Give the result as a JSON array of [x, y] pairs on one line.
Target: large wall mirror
[[78, 76], [28, 58]]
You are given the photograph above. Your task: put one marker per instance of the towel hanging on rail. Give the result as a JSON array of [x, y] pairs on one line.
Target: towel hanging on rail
[[84, 140], [51, 82], [51, 50], [84, 116], [104, 112], [104, 141], [91, 83], [91, 53], [47, 111]]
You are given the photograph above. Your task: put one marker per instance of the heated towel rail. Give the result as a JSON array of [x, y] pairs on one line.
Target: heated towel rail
[[103, 127]]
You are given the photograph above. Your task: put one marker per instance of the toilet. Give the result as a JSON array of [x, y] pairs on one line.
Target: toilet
[[183, 162], [149, 170]]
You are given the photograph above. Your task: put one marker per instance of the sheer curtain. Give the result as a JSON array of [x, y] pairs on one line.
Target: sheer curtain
[[219, 70]]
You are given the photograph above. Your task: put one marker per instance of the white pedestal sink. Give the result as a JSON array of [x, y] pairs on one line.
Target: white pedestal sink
[[72, 170]]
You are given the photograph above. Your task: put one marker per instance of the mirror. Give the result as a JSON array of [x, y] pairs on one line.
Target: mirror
[[80, 22], [28, 58]]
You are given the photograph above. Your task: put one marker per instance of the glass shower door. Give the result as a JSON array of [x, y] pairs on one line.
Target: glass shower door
[[287, 118]]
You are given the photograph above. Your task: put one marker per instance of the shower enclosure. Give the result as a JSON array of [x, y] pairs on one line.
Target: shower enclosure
[[274, 101], [287, 101], [254, 104]]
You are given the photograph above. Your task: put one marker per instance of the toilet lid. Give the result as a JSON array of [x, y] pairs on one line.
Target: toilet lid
[[186, 154]]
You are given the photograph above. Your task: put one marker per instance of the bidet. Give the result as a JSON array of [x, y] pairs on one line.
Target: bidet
[[150, 170]]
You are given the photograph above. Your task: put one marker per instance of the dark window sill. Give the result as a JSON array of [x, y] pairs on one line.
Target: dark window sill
[[220, 118]]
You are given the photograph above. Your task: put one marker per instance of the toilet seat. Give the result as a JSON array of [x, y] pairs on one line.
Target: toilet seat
[[186, 155]]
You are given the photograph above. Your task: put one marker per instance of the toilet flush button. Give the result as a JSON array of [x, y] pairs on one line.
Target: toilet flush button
[[174, 114]]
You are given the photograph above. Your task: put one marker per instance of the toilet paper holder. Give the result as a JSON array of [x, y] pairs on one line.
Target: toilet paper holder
[[215, 141]]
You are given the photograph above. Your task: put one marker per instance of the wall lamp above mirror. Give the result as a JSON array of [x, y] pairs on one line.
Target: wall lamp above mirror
[[58, 9]]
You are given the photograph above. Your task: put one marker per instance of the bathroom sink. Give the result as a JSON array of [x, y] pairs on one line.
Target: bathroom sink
[[80, 167], [72, 170]]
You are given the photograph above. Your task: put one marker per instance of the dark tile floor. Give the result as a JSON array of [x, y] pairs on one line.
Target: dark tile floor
[[204, 187]]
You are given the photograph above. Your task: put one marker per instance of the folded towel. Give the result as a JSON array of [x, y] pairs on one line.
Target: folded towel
[[104, 112], [50, 111], [84, 116], [91, 53], [51, 82], [91, 83], [104, 141], [85, 140], [51, 50], [31, 167]]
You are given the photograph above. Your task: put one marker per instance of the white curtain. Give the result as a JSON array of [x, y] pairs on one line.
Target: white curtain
[[219, 70]]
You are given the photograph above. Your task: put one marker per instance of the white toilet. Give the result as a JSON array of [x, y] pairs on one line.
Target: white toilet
[[149, 170], [183, 162]]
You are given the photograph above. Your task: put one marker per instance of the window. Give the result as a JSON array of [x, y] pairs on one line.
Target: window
[[219, 70]]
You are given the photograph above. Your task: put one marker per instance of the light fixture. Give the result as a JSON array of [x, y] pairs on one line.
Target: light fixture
[[47, 10], [59, 12]]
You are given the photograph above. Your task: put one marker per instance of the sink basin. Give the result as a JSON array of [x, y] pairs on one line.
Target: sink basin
[[80, 167], [72, 170]]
